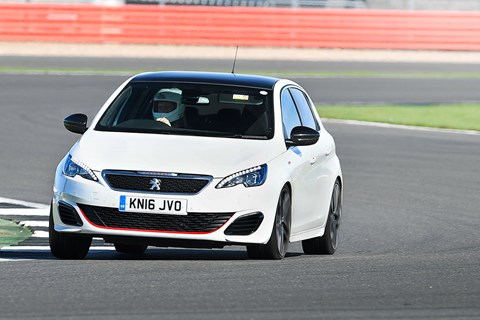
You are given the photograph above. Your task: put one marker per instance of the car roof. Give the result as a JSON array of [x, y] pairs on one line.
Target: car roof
[[208, 77]]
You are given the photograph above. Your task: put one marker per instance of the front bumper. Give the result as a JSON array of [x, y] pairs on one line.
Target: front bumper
[[229, 215]]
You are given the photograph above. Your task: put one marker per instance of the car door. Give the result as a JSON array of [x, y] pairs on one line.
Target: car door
[[310, 183]]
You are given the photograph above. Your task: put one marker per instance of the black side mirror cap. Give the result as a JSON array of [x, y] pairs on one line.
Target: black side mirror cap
[[303, 136], [76, 123]]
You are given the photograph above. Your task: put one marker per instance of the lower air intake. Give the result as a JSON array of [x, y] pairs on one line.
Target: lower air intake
[[69, 215], [192, 223], [245, 225]]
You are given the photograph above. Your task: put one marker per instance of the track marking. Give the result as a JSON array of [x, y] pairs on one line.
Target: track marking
[[41, 250], [17, 212], [33, 216], [47, 248], [399, 126], [39, 234], [25, 203], [24, 212], [35, 223], [10, 260]]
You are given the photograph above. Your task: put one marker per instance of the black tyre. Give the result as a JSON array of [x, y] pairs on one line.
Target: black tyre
[[328, 243], [67, 246], [130, 248], [277, 246]]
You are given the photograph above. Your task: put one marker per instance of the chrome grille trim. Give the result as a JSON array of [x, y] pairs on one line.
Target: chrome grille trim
[[158, 175]]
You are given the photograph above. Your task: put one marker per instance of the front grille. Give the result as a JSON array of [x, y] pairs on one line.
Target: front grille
[[193, 222], [137, 182], [245, 225], [69, 215]]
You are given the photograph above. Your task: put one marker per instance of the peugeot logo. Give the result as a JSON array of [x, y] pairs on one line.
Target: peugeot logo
[[155, 183]]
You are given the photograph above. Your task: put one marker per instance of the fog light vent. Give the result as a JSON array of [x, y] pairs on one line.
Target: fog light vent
[[245, 225], [69, 215]]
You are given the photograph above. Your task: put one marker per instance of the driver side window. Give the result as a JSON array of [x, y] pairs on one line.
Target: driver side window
[[290, 117], [304, 109]]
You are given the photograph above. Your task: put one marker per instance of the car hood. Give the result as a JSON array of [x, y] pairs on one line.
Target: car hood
[[217, 157]]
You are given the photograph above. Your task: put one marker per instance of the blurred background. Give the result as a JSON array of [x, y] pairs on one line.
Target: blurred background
[[373, 4], [410, 240]]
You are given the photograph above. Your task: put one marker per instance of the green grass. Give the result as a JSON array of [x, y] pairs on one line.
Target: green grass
[[29, 70], [11, 233], [287, 74], [461, 116]]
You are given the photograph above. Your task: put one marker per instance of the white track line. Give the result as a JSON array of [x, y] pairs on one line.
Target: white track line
[[32, 223], [24, 212], [10, 260], [398, 126], [40, 234], [26, 248], [25, 203], [47, 248], [41, 249]]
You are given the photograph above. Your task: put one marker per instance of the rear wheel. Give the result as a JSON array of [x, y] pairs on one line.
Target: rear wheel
[[130, 248], [277, 246], [328, 243], [67, 246]]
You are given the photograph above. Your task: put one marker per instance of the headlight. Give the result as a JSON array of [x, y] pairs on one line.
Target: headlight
[[74, 167], [252, 177]]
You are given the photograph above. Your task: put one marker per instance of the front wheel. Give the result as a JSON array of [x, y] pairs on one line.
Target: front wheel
[[67, 246], [277, 246], [328, 243]]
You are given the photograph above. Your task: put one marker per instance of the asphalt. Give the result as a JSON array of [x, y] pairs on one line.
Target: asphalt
[[410, 242], [225, 65], [328, 82]]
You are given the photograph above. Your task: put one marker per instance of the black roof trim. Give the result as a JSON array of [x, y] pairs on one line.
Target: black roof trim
[[209, 77]]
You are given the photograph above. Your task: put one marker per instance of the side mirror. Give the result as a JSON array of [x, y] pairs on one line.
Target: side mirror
[[303, 136], [76, 123]]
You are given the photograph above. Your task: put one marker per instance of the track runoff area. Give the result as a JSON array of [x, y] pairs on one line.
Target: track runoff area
[[33, 217]]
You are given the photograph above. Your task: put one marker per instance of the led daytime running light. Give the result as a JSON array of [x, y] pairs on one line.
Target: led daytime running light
[[84, 167], [225, 181]]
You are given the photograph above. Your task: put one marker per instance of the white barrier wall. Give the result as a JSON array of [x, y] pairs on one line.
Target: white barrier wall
[[462, 5]]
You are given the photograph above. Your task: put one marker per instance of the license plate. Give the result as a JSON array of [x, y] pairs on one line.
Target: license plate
[[153, 205]]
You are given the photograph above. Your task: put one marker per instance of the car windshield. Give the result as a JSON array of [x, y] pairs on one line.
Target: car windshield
[[191, 109]]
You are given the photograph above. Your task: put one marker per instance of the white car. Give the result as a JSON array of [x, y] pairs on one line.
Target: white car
[[201, 160]]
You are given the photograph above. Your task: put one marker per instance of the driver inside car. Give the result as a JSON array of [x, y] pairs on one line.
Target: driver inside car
[[168, 108]]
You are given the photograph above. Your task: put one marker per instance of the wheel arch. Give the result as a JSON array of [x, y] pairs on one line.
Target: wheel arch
[[340, 181], [289, 186]]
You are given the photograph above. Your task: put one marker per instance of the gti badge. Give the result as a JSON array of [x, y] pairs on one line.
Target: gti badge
[[155, 183]]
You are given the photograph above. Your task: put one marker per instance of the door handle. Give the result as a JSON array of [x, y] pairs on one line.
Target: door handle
[[313, 160]]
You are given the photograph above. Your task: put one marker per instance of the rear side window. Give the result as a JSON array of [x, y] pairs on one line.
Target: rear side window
[[304, 108], [290, 117]]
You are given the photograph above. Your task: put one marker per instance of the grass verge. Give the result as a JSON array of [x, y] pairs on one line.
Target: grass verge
[[459, 116], [456, 116], [12, 233], [287, 74]]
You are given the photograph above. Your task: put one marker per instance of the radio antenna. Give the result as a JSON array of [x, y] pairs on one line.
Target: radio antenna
[[234, 61]]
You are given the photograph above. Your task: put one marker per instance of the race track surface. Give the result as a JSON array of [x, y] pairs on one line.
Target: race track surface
[[326, 82], [410, 245]]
